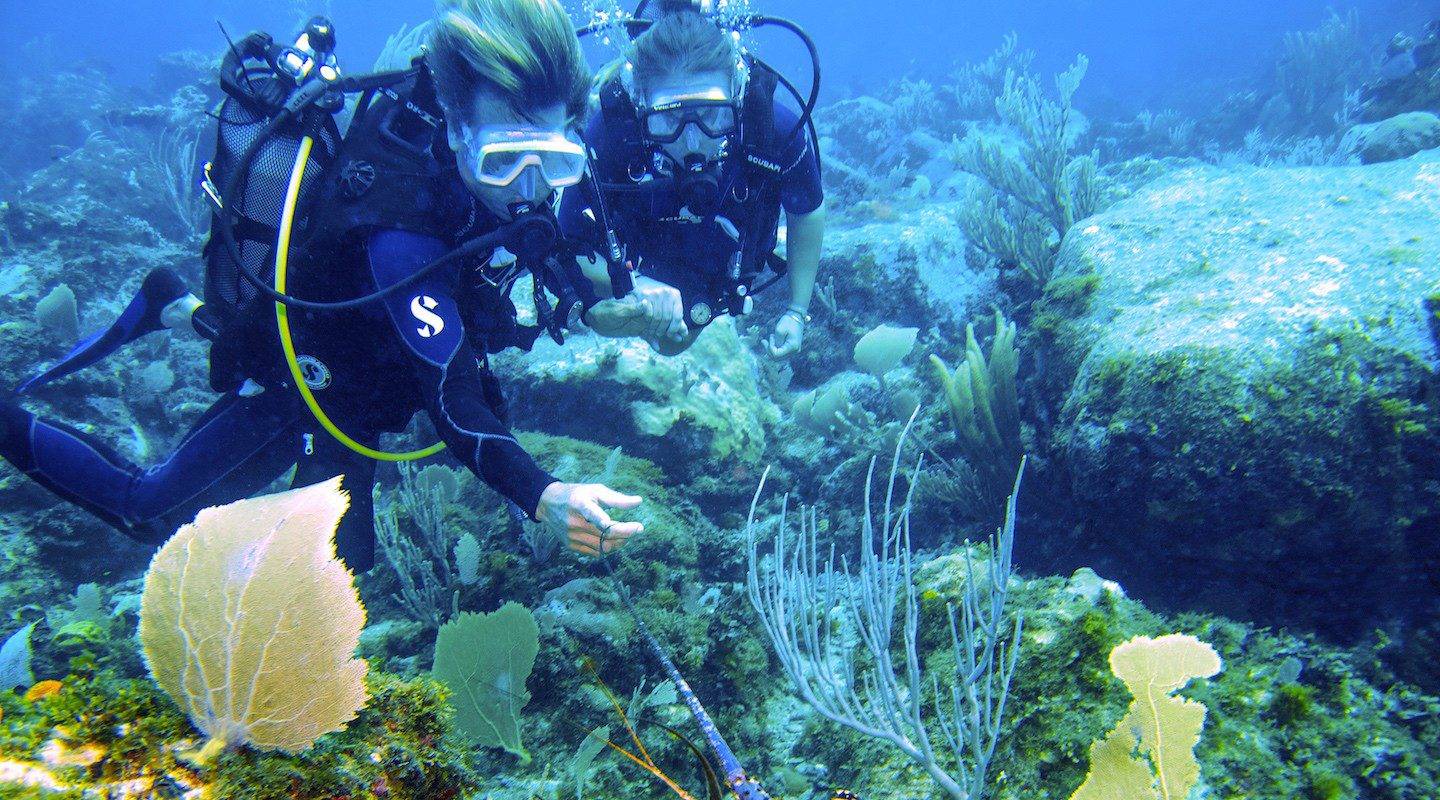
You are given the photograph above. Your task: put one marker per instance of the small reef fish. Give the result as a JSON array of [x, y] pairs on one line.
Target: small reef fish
[[43, 689]]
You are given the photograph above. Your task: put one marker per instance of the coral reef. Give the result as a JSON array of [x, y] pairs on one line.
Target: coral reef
[[1225, 379], [685, 413]]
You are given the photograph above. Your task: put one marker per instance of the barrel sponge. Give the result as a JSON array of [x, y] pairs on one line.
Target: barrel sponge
[[250, 623]]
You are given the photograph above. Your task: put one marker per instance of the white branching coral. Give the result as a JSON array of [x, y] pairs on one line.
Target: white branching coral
[[250, 622]]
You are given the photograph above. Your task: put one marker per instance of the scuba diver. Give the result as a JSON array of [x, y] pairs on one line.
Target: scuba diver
[[410, 231], [694, 159]]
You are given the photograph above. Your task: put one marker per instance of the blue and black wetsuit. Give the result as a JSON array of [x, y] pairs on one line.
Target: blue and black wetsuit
[[371, 369], [695, 254]]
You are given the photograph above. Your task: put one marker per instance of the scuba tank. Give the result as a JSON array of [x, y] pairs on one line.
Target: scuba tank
[[257, 77]]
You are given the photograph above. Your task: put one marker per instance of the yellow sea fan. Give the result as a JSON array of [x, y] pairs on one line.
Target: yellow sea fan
[[250, 623], [1164, 727], [1114, 772]]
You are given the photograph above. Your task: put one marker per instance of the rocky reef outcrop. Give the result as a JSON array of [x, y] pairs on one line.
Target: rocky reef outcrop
[[1400, 136], [693, 414], [1255, 412]]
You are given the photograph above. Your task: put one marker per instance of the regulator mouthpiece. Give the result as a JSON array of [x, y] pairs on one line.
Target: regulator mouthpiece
[[699, 187]]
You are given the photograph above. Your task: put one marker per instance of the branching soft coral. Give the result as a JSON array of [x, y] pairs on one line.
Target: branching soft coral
[[1036, 187]]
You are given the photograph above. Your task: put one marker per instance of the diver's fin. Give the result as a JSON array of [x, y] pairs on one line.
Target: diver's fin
[[159, 289]]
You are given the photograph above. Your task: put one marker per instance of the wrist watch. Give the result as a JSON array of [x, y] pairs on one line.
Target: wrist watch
[[797, 312]]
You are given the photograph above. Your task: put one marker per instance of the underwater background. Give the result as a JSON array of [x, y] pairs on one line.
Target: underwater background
[[1183, 257]]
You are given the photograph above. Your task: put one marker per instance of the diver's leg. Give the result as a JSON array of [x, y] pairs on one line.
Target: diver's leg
[[237, 447], [69, 463], [355, 538], [231, 454]]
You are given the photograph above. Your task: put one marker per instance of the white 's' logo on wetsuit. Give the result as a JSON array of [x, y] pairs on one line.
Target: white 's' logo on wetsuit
[[421, 307]]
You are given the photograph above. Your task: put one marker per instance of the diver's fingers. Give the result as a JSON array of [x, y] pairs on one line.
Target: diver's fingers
[[678, 330], [611, 312], [614, 499], [634, 307], [591, 542], [590, 511], [655, 326], [623, 530], [675, 307]]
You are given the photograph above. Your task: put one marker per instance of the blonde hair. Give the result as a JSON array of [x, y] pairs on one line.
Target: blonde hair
[[522, 51], [682, 42]]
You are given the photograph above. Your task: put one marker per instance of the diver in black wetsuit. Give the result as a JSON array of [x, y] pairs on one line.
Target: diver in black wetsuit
[[485, 123], [695, 160]]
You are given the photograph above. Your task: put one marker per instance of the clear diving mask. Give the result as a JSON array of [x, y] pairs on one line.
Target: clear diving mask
[[711, 110], [500, 155]]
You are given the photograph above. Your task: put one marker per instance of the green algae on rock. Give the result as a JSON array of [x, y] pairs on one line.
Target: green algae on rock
[[1253, 372]]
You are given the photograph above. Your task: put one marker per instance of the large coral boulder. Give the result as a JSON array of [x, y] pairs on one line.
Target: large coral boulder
[[1398, 137], [1254, 418], [700, 413]]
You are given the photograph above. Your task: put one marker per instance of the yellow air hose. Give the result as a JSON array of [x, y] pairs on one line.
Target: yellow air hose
[[282, 321]]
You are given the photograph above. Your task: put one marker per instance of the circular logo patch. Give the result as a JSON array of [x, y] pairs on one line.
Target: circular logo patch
[[314, 371]]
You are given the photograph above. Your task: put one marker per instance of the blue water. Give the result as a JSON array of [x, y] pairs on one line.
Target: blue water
[[1142, 53]]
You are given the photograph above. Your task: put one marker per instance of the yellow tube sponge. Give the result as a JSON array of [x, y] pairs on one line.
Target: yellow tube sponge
[[1165, 728], [250, 623]]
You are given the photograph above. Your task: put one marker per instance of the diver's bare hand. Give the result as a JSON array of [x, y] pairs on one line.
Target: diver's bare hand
[[788, 336], [617, 317], [664, 310], [652, 310], [577, 510]]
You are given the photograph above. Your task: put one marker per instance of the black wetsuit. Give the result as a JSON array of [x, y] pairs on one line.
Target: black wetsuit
[[371, 369]]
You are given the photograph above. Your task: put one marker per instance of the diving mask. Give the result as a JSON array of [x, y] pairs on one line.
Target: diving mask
[[498, 156], [711, 110]]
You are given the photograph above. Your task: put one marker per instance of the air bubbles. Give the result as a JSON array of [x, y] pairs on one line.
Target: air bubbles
[[609, 18]]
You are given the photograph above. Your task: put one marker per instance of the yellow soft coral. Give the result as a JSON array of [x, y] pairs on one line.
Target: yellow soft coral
[[250, 622], [1164, 727]]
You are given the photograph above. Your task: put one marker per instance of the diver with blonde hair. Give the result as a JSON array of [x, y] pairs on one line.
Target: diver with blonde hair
[[409, 232], [693, 161]]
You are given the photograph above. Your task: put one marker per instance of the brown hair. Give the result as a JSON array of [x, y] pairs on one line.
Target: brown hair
[[523, 51], [682, 41]]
